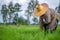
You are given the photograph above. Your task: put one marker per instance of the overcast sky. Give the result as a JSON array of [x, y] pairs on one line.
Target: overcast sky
[[51, 3], [24, 3]]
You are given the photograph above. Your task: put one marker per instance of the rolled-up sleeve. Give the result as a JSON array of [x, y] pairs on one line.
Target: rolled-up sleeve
[[48, 18]]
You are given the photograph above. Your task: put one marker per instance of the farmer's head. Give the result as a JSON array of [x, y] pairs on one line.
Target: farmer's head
[[41, 9]]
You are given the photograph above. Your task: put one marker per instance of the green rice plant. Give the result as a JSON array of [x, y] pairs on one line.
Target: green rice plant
[[26, 32]]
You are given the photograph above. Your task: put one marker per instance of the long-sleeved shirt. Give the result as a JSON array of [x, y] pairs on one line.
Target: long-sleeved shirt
[[49, 16]]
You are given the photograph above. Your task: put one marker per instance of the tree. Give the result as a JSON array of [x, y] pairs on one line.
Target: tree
[[17, 8], [21, 20], [15, 19], [11, 11], [58, 8], [30, 8], [4, 11], [35, 20]]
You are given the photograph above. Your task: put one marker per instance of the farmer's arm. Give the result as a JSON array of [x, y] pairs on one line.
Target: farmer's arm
[[41, 21], [41, 24], [48, 18]]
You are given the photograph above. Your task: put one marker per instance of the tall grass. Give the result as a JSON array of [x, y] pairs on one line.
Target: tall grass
[[25, 32]]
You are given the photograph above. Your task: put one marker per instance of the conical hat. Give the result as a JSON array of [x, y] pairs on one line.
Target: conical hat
[[41, 9]]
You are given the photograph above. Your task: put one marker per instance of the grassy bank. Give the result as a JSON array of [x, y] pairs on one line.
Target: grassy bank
[[24, 32]]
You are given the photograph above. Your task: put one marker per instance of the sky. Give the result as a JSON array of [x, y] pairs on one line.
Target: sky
[[52, 4]]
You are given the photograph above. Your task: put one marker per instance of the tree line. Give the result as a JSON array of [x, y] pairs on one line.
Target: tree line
[[10, 13]]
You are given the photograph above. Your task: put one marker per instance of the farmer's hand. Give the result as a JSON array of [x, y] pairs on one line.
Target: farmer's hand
[[47, 22]]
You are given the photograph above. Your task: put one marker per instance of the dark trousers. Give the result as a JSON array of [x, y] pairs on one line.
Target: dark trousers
[[48, 26]]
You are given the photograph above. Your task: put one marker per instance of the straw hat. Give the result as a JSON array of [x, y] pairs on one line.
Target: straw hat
[[40, 9]]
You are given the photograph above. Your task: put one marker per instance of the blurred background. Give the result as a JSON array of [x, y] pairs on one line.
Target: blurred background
[[21, 11]]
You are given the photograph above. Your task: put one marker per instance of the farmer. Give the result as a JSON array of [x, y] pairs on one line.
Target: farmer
[[48, 17]]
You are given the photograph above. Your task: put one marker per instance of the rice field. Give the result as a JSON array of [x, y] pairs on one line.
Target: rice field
[[26, 32]]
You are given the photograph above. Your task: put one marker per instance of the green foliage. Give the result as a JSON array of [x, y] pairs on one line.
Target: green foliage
[[21, 20], [15, 19], [9, 10], [25, 32], [58, 8], [17, 7], [4, 12], [30, 8], [35, 19], [13, 9]]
